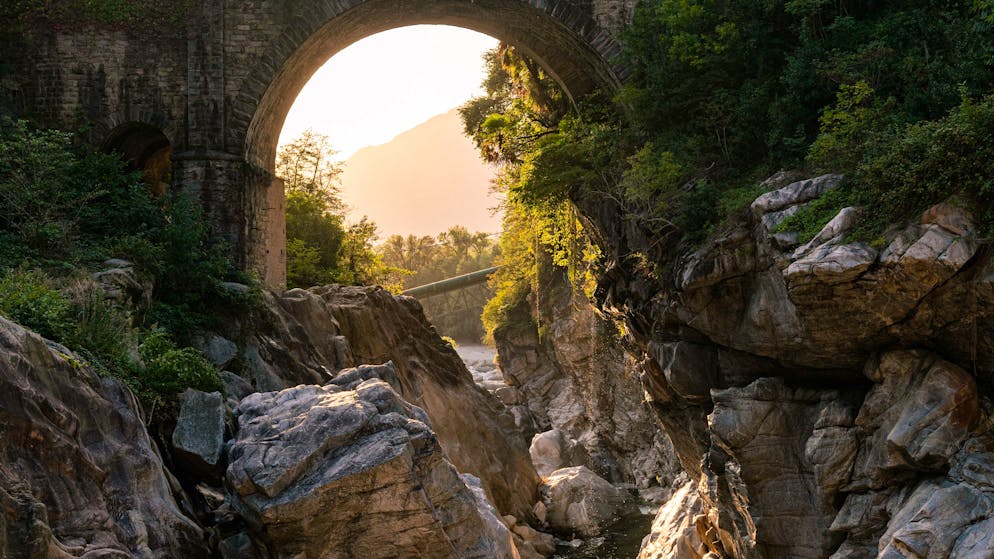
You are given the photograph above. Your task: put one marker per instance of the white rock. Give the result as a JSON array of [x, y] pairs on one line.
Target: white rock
[[547, 451], [795, 193], [580, 501]]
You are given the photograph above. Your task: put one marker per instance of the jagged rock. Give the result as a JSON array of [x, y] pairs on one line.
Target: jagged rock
[[932, 521], [235, 387], [531, 543], [832, 233], [795, 193], [237, 546], [509, 395], [78, 473], [198, 438], [913, 419], [821, 434], [320, 472], [759, 435], [496, 531], [578, 381], [218, 350], [309, 336], [677, 529], [120, 283], [349, 379], [830, 264], [690, 370], [579, 501], [475, 429]]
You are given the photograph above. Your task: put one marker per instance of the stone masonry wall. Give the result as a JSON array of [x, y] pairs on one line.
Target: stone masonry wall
[[219, 79]]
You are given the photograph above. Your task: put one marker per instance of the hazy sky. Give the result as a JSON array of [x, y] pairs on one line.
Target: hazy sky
[[388, 83]]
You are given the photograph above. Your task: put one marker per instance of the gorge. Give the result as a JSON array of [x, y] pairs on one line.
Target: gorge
[[781, 364]]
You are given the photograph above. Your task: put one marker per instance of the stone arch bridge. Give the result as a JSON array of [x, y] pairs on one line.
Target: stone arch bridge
[[208, 89]]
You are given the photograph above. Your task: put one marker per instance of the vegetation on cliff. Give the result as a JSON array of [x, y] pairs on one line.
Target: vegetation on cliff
[[64, 210], [725, 92], [322, 247]]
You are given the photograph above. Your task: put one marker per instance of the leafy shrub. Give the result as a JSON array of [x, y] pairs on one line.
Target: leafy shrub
[[450, 341], [810, 220], [101, 328], [926, 162], [899, 171], [28, 298], [168, 370]]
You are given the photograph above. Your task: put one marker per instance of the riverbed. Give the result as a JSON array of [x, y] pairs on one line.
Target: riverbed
[[624, 538]]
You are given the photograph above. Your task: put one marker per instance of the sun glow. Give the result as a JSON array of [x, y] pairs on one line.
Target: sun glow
[[370, 94], [388, 83]]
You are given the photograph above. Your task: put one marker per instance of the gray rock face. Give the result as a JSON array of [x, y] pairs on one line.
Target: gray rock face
[[198, 438], [675, 530], [324, 334], [759, 484], [548, 451], [218, 349], [326, 472], [579, 501], [120, 283], [79, 476], [578, 382], [828, 399]]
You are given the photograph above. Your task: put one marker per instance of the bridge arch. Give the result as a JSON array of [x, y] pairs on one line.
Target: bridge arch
[[219, 79], [273, 48], [561, 35]]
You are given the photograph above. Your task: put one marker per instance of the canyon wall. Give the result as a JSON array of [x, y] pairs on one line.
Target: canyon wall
[[573, 383], [827, 399]]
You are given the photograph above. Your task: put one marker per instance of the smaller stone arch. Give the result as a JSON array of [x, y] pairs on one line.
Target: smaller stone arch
[[143, 148]]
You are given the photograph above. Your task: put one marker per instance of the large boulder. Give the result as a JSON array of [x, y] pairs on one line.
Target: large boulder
[[581, 502], [320, 471], [548, 451], [310, 336], [79, 476]]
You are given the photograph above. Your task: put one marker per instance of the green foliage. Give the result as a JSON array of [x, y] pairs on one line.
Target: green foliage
[[321, 248], [28, 298], [168, 369], [101, 329], [810, 220], [847, 127], [307, 166], [450, 341], [928, 161], [63, 210], [723, 92]]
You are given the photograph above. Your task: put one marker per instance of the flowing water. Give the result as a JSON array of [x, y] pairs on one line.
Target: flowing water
[[620, 541]]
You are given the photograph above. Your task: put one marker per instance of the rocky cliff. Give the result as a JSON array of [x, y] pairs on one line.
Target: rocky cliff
[[79, 475], [306, 453], [576, 388], [828, 399]]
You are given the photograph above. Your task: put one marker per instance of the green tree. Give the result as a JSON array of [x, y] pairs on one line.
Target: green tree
[[315, 213]]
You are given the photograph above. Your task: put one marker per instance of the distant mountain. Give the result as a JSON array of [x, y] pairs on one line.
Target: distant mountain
[[422, 182]]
